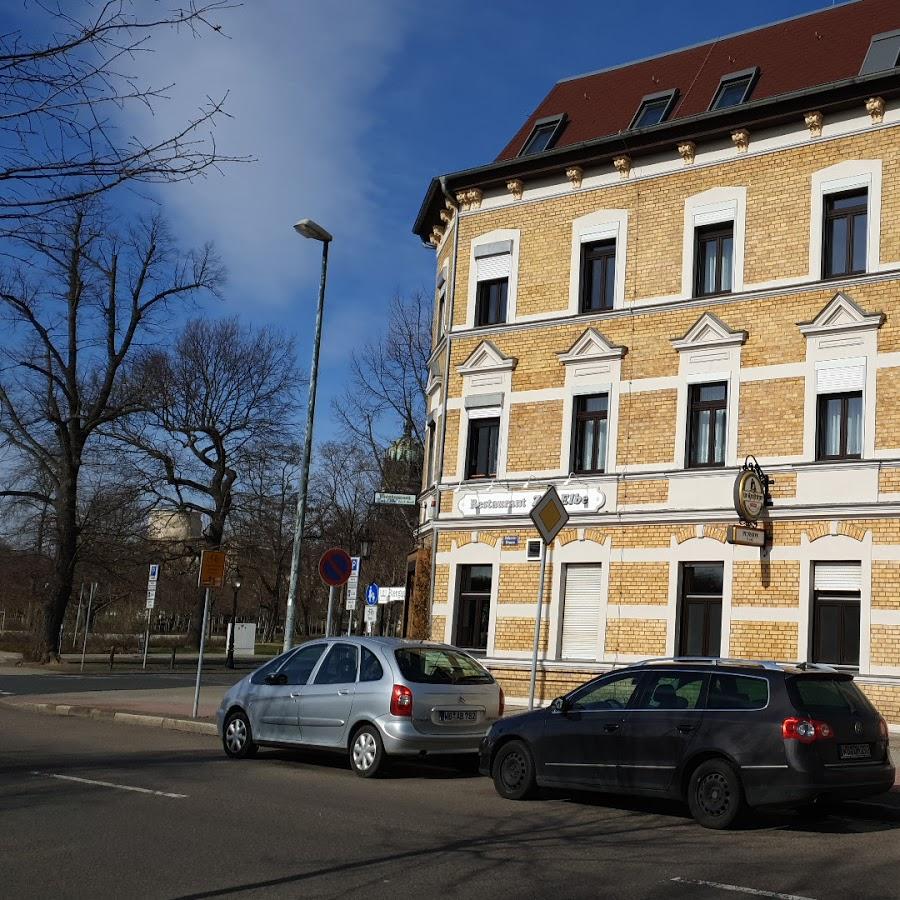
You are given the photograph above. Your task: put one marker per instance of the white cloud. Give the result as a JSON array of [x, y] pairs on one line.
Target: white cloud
[[302, 80]]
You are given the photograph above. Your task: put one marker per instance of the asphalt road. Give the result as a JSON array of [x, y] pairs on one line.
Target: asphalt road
[[302, 825], [21, 684]]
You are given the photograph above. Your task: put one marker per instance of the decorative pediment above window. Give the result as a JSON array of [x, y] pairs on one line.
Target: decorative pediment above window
[[591, 346], [486, 358], [839, 315], [709, 331]]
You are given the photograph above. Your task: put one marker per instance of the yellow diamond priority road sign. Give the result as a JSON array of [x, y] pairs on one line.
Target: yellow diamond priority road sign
[[549, 515]]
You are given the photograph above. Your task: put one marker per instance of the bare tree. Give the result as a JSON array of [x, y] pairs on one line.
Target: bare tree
[[388, 376], [73, 317], [60, 97], [221, 393]]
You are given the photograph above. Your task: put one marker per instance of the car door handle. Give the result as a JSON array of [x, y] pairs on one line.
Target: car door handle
[[295, 696], [343, 693], [611, 726], [687, 729]]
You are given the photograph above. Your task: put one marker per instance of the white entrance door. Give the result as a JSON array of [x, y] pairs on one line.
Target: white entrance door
[[581, 612]]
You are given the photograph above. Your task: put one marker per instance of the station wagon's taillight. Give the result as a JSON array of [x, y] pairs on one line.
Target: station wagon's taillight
[[401, 700], [883, 730], [502, 701], [806, 730]]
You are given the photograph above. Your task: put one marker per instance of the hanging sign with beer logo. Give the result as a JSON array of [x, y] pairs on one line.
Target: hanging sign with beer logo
[[750, 492]]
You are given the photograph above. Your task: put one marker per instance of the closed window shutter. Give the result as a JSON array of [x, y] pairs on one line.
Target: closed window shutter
[[489, 268], [581, 612], [838, 576], [841, 377]]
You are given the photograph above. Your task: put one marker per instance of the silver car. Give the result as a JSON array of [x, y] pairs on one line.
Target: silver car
[[370, 697]]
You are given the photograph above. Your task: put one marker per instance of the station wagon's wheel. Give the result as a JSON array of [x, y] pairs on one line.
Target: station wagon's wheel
[[715, 795], [367, 756], [513, 771], [237, 738]]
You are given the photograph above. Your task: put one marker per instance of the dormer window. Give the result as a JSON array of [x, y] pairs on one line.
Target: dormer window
[[543, 136], [734, 89], [654, 108]]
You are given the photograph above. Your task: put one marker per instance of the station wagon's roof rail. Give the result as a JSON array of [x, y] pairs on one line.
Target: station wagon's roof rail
[[815, 667], [714, 661]]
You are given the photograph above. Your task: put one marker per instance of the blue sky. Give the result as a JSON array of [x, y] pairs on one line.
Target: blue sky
[[351, 107]]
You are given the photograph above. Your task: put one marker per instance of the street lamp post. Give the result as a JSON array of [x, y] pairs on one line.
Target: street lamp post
[[235, 587], [308, 229]]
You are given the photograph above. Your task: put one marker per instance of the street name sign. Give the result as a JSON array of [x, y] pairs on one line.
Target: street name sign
[[212, 569], [385, 498], [335, 566]]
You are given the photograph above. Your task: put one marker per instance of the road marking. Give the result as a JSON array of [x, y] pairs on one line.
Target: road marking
[[737, 889], [6, 693], [109, 784]]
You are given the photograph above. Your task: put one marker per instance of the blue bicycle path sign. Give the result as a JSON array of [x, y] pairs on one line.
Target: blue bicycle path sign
[[372, 595]]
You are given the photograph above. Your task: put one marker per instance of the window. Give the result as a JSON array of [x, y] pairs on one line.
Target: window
[[369, 668], [737, 692], [434, 665], [339, 666], [473, 607], [581, 612], [713, 253], [836, 628], [441, 300], [826, 694], [589, 444], [484, 437], [701, 609], [672, 690], [607, 694], [653, 110], [707, 415], [490, 302], [844, 244], [839, 426], [432, 438], [543, 135], [733, 90], [533, 550], [598, 275], [301, 664]]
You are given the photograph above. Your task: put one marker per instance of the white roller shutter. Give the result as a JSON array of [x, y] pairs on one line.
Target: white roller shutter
[[840, 376], [838, 576], [581, 612], [488, 268]]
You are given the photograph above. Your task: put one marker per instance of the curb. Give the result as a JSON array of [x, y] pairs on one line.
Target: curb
[[89, 712]]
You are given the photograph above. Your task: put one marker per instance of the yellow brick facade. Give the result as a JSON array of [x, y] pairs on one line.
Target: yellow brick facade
[[655, 515]]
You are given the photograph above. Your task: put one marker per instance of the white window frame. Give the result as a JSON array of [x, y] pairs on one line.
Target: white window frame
[[850, 175], [500, 234], [713, 207], [440, 301], [602, 225]]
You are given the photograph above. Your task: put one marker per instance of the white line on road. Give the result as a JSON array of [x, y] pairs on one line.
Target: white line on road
[[740, 890], [6, 693], [109, 784]]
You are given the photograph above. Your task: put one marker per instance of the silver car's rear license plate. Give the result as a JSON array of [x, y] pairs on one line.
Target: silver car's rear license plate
[[855, 751], [457, 715]]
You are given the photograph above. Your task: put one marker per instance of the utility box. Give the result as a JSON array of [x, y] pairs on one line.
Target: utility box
[[244, 638]]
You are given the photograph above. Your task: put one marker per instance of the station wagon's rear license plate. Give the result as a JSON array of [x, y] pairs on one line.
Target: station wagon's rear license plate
[[457, 715], [855, 751]]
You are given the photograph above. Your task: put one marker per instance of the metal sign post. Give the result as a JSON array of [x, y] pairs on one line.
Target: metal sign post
[[212, 575], [77, 616], [332, 590], [87, 623], [550, 517]]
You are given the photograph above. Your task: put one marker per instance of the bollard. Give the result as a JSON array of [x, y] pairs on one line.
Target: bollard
[[172, 664], [112, 656]]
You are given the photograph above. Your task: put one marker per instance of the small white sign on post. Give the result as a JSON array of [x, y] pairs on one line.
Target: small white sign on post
[[371, 614], [351, 603]]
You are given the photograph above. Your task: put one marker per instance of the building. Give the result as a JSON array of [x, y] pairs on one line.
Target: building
[[177, 525], [675, 264]]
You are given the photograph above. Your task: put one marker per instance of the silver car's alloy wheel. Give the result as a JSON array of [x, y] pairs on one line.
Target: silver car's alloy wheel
[[364, 751], [236, 735]]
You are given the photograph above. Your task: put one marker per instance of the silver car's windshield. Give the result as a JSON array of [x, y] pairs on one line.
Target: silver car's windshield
[[436, 665]]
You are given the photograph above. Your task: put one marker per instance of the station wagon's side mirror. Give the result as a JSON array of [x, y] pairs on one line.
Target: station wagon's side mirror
[[560, 705]]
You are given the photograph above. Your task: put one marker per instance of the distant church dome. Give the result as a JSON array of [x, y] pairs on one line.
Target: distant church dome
[[405, 449]]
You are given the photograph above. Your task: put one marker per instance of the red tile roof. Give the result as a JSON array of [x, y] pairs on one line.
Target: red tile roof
[[800, 53]]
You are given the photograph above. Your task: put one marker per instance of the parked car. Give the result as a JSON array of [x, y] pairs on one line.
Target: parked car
[[370, 697], [721, 734]]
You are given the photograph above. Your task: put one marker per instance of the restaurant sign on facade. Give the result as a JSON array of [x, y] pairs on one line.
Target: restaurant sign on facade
[[520, 503]]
